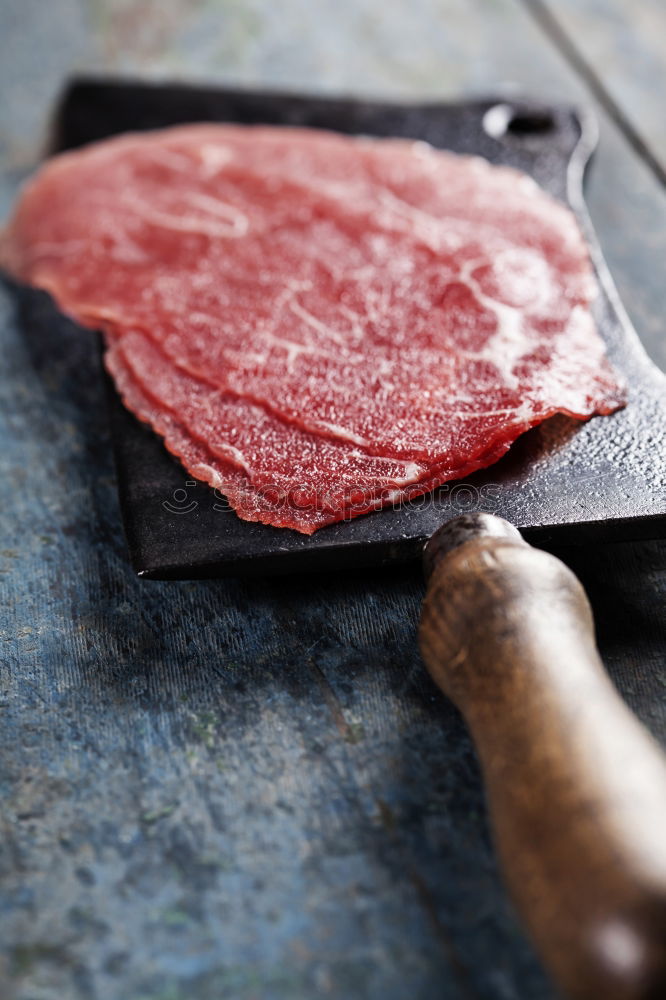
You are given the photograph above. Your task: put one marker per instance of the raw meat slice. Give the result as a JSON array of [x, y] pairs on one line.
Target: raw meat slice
[[324, 473], [278, 458], [231, 482], [324, 324], [228, 479], [412, 302]]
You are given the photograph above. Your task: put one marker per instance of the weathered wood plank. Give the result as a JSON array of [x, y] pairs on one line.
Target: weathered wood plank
[[623, 46], [222, 789], [252, 790]]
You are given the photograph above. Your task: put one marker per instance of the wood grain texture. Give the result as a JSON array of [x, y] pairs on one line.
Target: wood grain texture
[[252, 790], [576, 787]]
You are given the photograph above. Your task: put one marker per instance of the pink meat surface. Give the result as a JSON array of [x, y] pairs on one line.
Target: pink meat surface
[[319, 471], [331, 315], [266, 504], [278, 458]]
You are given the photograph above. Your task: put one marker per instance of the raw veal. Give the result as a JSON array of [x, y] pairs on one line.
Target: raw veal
[[317, 324]]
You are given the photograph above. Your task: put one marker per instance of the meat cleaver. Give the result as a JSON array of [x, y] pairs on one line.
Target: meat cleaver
[[576, 787]]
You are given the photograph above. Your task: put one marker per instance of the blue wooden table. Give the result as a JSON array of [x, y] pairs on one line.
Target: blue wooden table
[[251, 790]]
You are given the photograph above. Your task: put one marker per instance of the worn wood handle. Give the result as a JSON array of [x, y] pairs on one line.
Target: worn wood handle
[[576, 786]]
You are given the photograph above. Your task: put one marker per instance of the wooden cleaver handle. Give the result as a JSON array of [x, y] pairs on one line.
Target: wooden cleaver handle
[[576, 786]]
